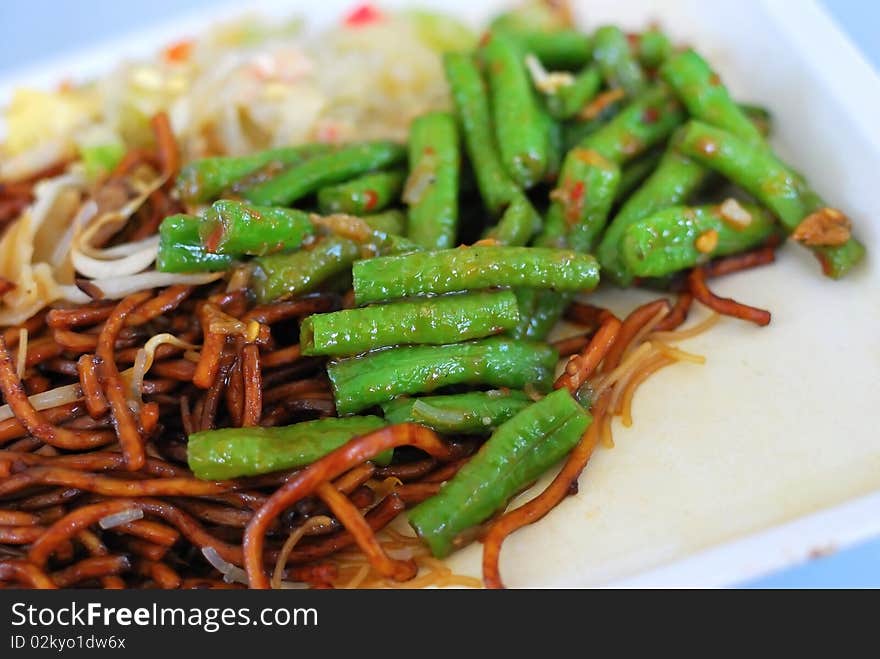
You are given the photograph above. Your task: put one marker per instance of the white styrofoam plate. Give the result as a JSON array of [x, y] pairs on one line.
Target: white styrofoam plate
[[771, 451]]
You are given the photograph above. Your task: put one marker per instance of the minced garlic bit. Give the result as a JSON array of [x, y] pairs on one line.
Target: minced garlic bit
[[548, 82], [734, 214], [252, 332], [827, 227], [707, 241]]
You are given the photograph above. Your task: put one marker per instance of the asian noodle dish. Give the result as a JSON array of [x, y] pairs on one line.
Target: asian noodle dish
[[276, 307]]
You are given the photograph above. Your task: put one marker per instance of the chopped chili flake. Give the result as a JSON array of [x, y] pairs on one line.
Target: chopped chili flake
[[372, 199], [178, 51], [651, 115], [714, 80], [363, 15], [575, 201], [214, 239]]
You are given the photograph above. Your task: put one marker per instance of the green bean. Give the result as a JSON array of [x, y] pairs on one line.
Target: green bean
[[335, 167], [283, 275], [206, 179], [757, 171], [516, 454], [760, 116], [568, 100], [555, 144], [634, 174], [180, 249], [670, 240], [676, 178], [375, 378], [544, 311], [673, 181], [581, 201], [390, 221], [433, 185], [236, 228], [518, 224], [614, 56], [644, 123], [364, 194], [435, 320], [471, 101], [467, 268], [706, 98], [472, 413], [519, 130], [235, 452], [576, 131], [654, 48], [560, 49]]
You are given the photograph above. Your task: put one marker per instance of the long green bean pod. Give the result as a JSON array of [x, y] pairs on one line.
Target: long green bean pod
[[706, 98], [471, 101], [587, 188], [282, 275], [559, 49], [681, 237], [581, 201], [568, 100], [390, 221], [555, 143], [574, 132], [206, 179], [472, 413], [615, 58], [369, 193], [636, 172], [761, 174], [181, 250], [519, 129], [435, 320], [515, 455], [327, 169], [647, 121], [541, 315], [653, 48], [235, 452], [518, 224], [676, 178], [433, 185], [237, 229], [375, 378], [467, 268]]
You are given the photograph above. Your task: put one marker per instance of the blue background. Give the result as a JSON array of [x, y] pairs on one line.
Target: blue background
[[39, 29]]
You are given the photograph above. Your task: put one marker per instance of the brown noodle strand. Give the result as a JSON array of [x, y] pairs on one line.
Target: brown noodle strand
[[630, 328], [253, 386], [93, 394], [130, 439], [26, 574], [678, 315], [580, 367], [88, 569], [723, 305]]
